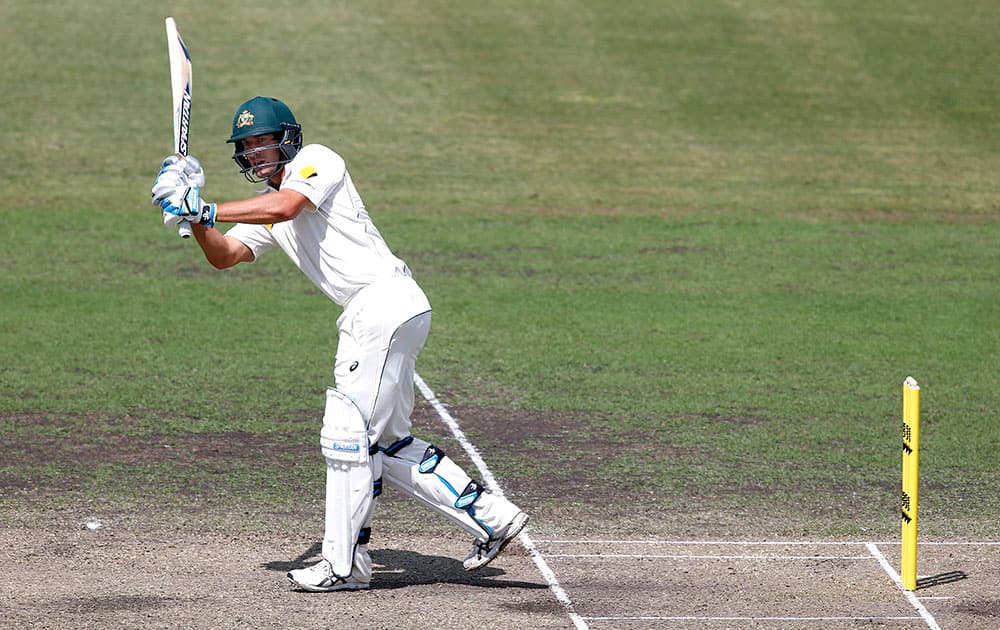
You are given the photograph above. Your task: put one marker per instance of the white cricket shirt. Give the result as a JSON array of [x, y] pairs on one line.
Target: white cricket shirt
[[336, 245]]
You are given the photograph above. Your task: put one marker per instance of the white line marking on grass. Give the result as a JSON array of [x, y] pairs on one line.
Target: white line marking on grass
[[701, 557], [983, 543], [789, 543], [491, 483], [709, 543], [868, 619], [758, 542], [927, 616]]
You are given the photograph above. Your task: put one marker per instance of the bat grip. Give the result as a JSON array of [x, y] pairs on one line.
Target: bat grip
[[184, 227]]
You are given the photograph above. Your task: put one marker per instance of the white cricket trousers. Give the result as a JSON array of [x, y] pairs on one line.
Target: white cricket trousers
[[382, 330]]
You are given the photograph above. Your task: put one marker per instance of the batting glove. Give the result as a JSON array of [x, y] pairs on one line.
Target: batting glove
[[186, 204], [171, 220], [171, 162], [192, 169], [175, 173]]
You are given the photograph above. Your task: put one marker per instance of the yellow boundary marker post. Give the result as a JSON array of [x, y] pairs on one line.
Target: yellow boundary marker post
[[911, 479]]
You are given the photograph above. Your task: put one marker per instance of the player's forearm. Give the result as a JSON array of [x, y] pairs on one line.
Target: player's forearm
[[262, 209], [220, 250]]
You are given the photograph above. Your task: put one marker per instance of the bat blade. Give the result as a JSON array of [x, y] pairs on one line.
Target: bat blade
[[180, 89]]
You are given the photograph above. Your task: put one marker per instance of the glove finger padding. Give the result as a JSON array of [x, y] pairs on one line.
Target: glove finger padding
[[176, 172], [171, 220], [193, 171], [169, 161], [166, 183]]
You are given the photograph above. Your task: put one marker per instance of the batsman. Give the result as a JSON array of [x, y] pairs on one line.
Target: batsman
[[311, 210]]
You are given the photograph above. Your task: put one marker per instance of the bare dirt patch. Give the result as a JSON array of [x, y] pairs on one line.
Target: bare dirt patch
[[209, 557]]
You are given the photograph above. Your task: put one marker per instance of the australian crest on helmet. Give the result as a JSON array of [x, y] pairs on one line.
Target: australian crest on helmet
[[245, 119]]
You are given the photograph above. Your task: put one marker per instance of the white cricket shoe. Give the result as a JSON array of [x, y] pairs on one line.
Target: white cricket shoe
[[483, 552], [319, 578]]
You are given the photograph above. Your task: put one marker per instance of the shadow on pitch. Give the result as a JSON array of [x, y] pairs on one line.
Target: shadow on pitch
[[397, 568], [940, 578]]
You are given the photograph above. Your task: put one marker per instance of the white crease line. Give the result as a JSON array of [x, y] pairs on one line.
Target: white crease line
[[751, 618], [697, 542], [924, 613], [494, 487], [865, 543], [701, 557], [981, 543]]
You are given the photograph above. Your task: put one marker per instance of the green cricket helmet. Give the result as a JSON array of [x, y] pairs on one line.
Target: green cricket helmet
[[259, 116]]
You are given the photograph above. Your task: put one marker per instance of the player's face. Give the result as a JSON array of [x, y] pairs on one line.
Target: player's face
[[263, 154]]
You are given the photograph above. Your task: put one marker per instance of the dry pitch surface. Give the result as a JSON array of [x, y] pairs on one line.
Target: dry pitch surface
[[201, 568]]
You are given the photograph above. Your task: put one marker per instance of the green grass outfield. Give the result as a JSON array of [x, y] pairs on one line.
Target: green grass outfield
[[733, 228]]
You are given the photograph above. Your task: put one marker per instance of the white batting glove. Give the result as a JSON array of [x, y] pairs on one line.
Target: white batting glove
[[165, 185], [174, 173], [171, 220], [171, 176], [192, 169], [186, 204]]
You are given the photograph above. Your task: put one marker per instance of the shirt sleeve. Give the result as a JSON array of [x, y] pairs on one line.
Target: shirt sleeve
[[316, 172], [257, 237]]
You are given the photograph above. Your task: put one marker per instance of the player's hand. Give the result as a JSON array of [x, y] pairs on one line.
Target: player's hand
[[171, 220], [171, 162], [165, 185], [175, 173], [192, 169], [170, 177], [186, 203]]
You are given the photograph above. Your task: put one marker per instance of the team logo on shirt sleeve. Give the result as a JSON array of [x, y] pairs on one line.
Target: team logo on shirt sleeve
[[307, 172]]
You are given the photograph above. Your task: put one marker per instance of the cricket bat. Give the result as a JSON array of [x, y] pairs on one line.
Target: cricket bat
[[180, 88]]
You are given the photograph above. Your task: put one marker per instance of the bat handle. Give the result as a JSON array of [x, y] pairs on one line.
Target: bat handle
[[184, 227]]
